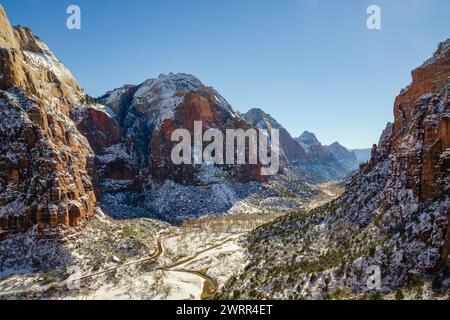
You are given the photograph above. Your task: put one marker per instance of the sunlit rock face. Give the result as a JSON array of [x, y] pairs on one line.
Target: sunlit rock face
[[45, 161], [417, 150], [420, 134]]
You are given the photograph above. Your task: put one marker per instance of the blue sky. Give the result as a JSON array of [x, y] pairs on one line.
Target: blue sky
[[312, 64]]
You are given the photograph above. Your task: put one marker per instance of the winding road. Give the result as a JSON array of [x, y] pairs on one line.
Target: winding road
[[211, 287]]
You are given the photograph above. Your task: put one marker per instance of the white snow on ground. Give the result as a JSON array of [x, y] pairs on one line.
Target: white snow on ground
[[174, 286], [195, 260], [220, 261]]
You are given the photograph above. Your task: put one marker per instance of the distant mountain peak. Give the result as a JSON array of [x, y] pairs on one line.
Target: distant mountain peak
[[259, 118], [308, 139], [336, 144], [159, 97]]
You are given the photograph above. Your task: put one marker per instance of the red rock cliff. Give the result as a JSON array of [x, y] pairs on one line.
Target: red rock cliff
[[44, 159]]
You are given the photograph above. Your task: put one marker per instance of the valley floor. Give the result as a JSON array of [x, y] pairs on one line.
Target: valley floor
[[139, 259]]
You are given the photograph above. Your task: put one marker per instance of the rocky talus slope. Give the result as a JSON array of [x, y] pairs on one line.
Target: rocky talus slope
[[394, 215]]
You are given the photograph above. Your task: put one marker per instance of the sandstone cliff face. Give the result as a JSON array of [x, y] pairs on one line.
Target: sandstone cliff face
[[421, 111], [148, 114], [198, 106], [44, 160], [417, 146]]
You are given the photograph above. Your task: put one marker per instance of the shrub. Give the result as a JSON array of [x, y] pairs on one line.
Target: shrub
[[399, 294], [375, 296]]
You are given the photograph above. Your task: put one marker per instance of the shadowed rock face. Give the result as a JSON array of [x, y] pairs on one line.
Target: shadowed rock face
[[44, 160], [305, 152], [346, 157]]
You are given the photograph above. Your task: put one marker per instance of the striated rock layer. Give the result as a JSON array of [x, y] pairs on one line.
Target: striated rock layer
[[137, 166], [44, 160], [416, 146]]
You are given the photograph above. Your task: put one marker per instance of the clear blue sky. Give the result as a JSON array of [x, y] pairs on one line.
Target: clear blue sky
[[311, 64]]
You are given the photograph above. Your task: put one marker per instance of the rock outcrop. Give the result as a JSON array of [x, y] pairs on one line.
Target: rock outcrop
[[334, 155], [416, 148], [345, 157], [307, 140], [420, 134]]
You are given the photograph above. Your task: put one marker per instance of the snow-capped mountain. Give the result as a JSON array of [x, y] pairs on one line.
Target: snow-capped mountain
[[144, 116], [64, 152]]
